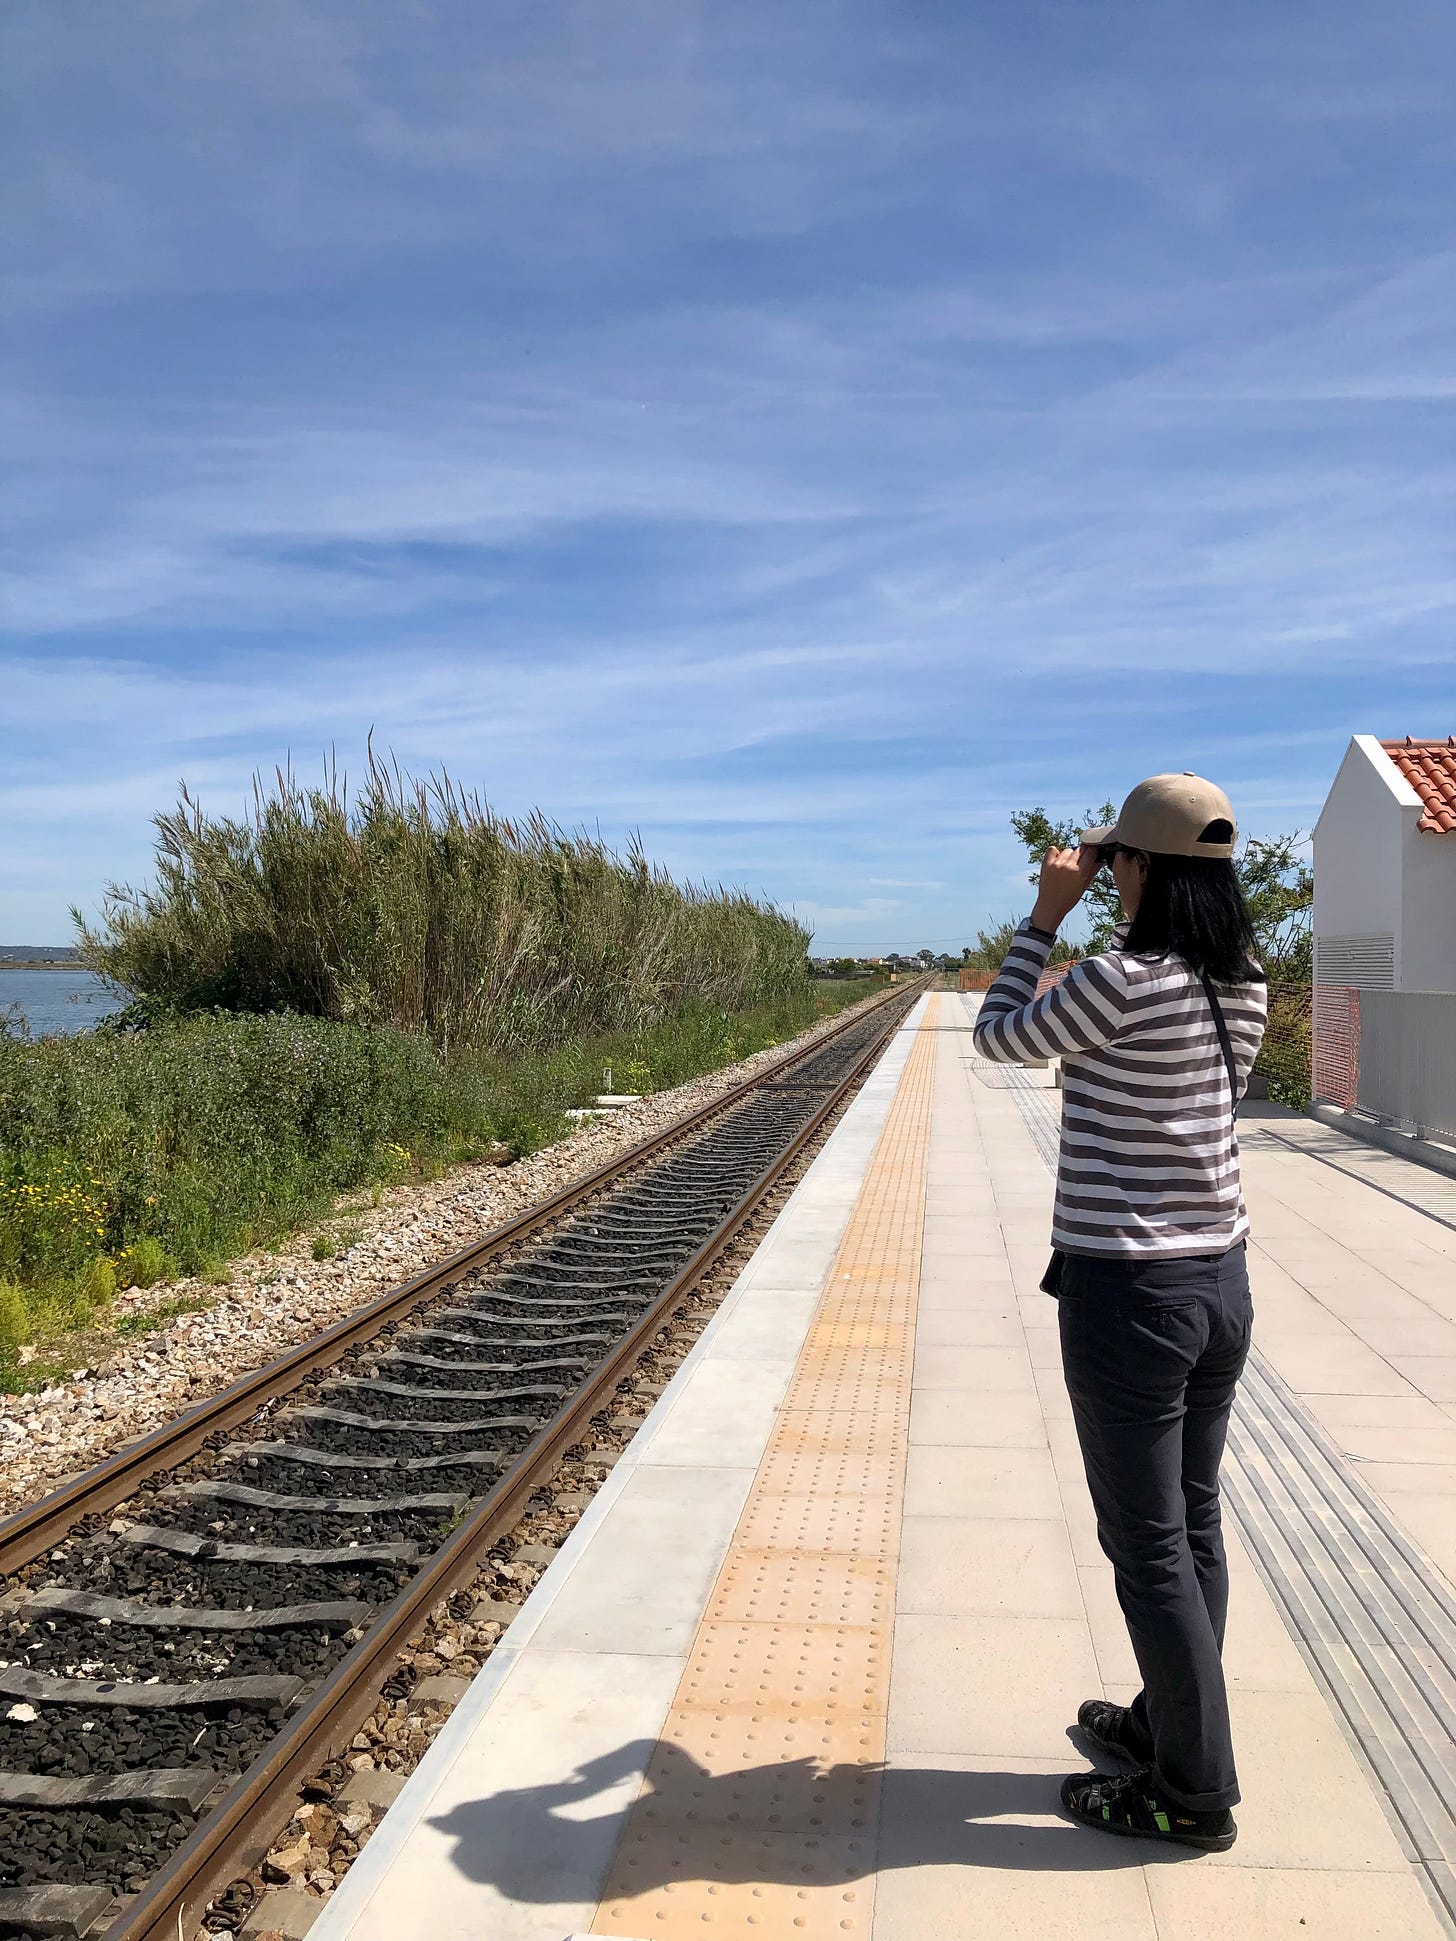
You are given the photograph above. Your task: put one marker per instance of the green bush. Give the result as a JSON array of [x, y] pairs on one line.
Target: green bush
[[128, 1157], [14, 1324], [1285, 1056], [414, 906]]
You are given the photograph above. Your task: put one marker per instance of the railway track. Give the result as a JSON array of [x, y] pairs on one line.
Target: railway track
[[195, 1626]]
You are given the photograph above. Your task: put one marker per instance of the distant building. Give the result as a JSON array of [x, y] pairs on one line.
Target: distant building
[[1385, 868]]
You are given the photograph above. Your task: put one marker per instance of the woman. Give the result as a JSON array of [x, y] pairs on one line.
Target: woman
[[1157, 1037]]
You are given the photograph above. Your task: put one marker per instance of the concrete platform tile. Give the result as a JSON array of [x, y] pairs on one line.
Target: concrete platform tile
[[952, 1197], [1389, 1478], [1374, 1299], [1056, 1404], [1258, 1655], [1378, 1411], [1431, 1336], [977, 1418], [996, 1325], [1005, 1368], [944, 1481], [1115, 1661], [960, 1293], [1428, 1515], [1239, 1903], [1044, 1350], [514, 1828], [722, 1415], [1281, 1318], [948, 1243], [795, 1258], [1433, 1376], [765, 1325], [974, 1566], [1375, 1444], [1328, 1364], [1330, 1818], [980, 1849], [1002, 1686], [641, 1584]]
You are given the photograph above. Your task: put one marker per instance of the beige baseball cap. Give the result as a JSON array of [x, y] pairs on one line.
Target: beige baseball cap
[[1171, 815]]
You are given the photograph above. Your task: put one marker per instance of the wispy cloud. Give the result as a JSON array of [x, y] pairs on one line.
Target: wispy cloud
[[803, 434]]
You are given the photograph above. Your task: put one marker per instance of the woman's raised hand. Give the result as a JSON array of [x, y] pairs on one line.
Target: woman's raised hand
[[1066, 876]]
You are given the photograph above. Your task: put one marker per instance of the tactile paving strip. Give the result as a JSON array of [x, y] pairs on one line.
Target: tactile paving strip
[[757, 1813]]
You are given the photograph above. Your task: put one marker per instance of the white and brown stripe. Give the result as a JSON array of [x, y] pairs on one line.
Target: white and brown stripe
[[1150, 1155]]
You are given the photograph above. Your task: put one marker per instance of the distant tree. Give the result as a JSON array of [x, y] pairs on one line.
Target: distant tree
[[1039, 833], [988, 953], [1277, 884]]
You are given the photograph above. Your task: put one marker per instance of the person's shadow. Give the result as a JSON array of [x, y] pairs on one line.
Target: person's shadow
[[778, 1823]]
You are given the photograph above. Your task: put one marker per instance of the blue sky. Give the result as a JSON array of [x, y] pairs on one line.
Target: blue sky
[[801, 433]]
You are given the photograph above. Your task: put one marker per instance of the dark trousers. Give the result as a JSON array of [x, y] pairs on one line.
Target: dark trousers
[[1152, 1352]]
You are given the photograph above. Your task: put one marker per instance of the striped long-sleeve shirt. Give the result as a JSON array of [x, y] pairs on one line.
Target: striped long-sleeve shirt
[[1149, 1155]]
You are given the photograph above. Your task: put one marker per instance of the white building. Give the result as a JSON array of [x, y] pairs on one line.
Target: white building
[[1385, 868]]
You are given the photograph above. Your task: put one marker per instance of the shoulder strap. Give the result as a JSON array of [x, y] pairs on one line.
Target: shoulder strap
[[1223, 1038]]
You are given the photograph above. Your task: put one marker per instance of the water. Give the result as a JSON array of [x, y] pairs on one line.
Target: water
[[63, 1001]]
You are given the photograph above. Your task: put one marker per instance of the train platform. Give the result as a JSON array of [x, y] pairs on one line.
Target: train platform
[[806, 1667]]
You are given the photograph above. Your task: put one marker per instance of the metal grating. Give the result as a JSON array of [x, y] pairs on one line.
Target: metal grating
[[1373, 1617], [1368, 962]]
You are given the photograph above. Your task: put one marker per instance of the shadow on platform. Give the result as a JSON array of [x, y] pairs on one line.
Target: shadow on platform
[[754, 1825]]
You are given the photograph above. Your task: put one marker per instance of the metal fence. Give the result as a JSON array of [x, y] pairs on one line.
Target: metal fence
[[1390, 1054], [1284, 1057]]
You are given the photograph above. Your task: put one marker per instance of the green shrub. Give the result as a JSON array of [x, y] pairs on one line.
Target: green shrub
[[14, 1324], [413, 905], [129, 1157], [143, 1263], [1285, 1056]]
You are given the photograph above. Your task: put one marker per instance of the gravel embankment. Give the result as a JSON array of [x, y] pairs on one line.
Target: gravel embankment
[[280, 1298]]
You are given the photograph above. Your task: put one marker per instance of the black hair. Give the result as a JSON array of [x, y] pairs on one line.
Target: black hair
[[1192, 907]]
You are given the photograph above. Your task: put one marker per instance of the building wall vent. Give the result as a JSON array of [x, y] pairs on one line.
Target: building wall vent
[[1366, 962]]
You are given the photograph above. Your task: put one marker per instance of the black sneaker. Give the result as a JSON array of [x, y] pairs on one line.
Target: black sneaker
[[1112, 1728], [1130, 1804]]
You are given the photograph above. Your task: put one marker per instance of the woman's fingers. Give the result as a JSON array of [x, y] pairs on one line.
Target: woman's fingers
[[1062, 885]]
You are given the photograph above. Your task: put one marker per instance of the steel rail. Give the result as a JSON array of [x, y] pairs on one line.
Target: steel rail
[[30, 1532], [240, 1828]]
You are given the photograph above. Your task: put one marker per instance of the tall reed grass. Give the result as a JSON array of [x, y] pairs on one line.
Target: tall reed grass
[[413, 905]]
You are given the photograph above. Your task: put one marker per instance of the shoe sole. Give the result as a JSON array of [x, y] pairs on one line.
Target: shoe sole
[[1219, 1843]]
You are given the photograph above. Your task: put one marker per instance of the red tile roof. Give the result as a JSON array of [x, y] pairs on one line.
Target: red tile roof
[[1430, 768]]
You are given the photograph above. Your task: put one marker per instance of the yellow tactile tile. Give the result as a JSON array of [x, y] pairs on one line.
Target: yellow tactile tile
[[864, 1523], [787, 1670], [758, 1809], [803, 1587]]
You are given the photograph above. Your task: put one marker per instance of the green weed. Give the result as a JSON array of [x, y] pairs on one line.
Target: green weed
[[129, 1158]]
